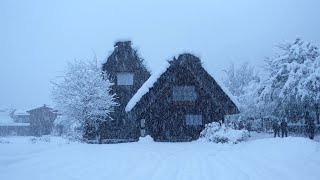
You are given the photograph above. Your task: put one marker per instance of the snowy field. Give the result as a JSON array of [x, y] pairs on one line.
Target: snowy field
[[270, 159]]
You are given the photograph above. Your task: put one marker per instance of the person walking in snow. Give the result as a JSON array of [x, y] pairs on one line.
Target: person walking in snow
[[311, 126], [241, 125], [276, 129], [284, 128]]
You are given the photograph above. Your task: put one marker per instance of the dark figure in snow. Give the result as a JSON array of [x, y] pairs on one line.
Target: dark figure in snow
[[276, 129], [311, 126], [284, 128], [241, 125], [248, 126]]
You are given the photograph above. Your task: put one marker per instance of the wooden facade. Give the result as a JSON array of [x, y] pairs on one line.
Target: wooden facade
[[182, 100]]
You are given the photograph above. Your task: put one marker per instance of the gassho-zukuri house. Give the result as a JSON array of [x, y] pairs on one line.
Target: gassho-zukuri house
[[173, 104]]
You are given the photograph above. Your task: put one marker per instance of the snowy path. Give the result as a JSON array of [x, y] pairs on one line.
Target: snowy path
[[288, 158]]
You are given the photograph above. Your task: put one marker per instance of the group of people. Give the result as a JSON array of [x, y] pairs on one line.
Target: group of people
[[280, 126], [283, 127]]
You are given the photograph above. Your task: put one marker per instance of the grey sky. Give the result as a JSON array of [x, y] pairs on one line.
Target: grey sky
[[38, 37]]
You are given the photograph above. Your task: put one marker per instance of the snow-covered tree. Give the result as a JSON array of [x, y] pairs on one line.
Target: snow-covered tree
[[309, 88], [293, 79], [243, 82], [82, 96], [238, 78]]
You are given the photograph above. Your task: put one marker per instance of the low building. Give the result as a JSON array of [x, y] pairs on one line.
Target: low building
[[41, 120], [21, 116], [14, 127]]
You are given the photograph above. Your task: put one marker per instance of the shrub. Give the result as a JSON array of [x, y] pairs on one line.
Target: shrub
[[40, 139], [220, 133]]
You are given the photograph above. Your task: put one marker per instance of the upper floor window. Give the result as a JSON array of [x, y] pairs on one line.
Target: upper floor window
[[124, 78], [184, 93], [194, 120]]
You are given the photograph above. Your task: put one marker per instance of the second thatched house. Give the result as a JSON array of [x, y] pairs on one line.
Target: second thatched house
[[176, 103]]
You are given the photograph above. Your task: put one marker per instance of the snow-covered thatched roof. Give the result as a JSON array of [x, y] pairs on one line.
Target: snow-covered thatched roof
[[222, 86], [155, 76], [144, 89]]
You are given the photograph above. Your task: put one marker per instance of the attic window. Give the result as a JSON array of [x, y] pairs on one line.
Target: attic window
[[194, 120], [184, 93], [125, 78]]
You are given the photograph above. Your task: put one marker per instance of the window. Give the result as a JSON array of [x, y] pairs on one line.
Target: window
[[184, 93], [125, 78], [194, 120]]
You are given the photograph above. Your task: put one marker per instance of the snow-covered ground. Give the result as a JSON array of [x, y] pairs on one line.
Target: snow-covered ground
[[268, 158]]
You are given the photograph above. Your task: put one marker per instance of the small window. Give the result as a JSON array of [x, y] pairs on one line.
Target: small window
[[194, 120], [125, 78], [143, 123], [184, 93]]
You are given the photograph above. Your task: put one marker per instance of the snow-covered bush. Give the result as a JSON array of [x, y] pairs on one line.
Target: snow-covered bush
[[83, 97], [4, 141], [40, 139], [220, 133], [147, 139]]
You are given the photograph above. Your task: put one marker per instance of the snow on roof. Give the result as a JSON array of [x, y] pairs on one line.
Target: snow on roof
[[146, 87], [21, 112], [5, 117], [222, 86], [43, 106], [6, 120], [154, 77]]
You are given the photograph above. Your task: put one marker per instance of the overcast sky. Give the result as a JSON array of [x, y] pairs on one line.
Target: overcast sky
[[37, 38]]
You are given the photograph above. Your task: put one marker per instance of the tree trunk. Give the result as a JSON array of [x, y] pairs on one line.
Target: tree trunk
[[317, 113]]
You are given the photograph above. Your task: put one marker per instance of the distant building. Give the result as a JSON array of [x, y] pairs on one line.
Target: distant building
[[14, 123], [21, 116], [41, 120], [35, 122]]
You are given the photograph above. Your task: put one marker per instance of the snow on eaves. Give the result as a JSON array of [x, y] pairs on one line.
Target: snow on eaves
[[222, 86], [146, 87]]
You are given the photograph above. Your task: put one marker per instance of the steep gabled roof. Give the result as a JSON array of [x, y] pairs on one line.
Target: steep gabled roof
[[144, 89], [199, 75], [41, 107]]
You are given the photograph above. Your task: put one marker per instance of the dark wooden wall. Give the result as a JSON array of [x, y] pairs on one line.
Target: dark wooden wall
[[41, 121]]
